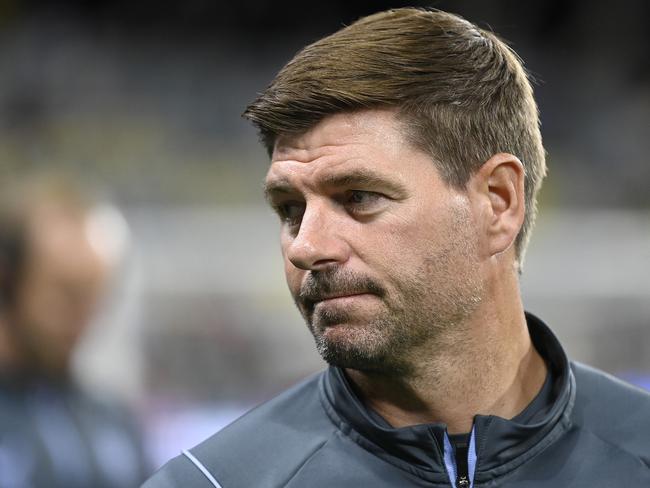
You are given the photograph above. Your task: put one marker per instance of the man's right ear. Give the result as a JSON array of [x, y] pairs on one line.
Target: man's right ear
[[499, 187]]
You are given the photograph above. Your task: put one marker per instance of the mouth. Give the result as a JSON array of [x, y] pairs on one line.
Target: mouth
[[343, 299], [335, 290], [341, 296]]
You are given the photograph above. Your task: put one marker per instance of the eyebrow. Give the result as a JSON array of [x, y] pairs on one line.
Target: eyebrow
[[362, 178], [275, 186]]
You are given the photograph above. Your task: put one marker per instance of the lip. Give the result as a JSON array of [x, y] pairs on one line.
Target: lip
[[333, 298]]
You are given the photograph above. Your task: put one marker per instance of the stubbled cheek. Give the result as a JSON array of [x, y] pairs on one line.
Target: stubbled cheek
[[407, 239]]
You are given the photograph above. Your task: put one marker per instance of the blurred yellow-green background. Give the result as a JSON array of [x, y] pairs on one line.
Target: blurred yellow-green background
[[142, 100]]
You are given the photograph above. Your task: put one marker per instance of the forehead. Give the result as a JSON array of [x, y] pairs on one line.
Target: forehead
[[363, 126], [373, 126], [372, 140]]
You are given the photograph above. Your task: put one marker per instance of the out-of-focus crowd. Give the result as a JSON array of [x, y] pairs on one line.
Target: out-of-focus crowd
[[56, 260]]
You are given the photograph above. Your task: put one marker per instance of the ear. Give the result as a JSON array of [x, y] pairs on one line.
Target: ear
[[498, 190]]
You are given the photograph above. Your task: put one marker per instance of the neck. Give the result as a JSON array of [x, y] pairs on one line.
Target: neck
[[489, 366]]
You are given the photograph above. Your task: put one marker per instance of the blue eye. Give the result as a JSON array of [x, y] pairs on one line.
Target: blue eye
[[364, 203], [362, 198], [357, 196]]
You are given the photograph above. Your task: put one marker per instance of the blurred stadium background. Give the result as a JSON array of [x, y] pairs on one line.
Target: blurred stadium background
[[143, 100]]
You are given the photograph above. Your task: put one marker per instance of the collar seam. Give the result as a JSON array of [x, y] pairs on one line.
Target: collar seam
[[347, 431], [562, 426], [483, 443]]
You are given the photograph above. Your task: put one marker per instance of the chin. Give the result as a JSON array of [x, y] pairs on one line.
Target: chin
[[356, 347]]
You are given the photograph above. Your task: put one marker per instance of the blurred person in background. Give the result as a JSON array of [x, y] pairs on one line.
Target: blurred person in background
[[55, 265], [406, 157]]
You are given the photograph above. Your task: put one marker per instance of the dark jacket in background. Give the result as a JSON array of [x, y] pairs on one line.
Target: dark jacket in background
[[56, 436]]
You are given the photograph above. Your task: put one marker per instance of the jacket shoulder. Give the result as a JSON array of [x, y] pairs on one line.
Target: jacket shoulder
[[177, 473], [613, 410], [270, 443]]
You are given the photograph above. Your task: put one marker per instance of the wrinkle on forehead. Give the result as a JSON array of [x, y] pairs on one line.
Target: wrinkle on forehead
[[364, 146], [342, 129]]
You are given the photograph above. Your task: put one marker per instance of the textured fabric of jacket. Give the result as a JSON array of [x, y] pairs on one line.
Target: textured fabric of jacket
[[318, 434]]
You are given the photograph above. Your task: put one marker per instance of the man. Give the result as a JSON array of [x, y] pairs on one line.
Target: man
[[55, 260], [405, 161]]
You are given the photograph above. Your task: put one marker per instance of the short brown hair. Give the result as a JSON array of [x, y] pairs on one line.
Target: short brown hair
[[462, 93]]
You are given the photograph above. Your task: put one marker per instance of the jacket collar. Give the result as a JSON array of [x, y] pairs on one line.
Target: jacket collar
[[501, 444]]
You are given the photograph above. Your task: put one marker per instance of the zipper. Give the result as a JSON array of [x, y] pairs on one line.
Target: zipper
[[462, 471], [460, 461]]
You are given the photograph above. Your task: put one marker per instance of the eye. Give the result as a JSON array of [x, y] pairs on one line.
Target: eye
[[360, 199], [290, 212], [357, 196]]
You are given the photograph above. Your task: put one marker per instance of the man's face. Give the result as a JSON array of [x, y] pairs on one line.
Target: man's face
[[58, 293], [380, 254]]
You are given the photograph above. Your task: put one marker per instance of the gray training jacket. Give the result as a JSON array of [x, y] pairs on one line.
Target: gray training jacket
[[596, 434]]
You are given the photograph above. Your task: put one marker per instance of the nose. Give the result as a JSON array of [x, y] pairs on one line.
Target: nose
[[319, 242]]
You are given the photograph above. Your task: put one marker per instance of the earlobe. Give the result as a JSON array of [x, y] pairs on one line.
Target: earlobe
[[501, 181]]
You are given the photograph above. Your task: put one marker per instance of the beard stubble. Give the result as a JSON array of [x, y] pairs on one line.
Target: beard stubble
[[413, 313]]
